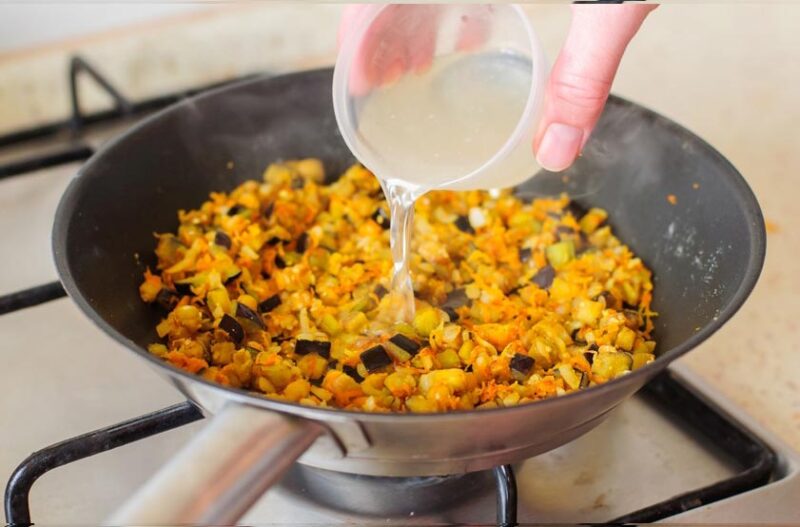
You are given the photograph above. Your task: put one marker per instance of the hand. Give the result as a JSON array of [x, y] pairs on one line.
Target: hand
[[581, 79], [579, 83]]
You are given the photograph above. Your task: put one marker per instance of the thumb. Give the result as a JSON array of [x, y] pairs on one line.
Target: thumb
[[581, 79]]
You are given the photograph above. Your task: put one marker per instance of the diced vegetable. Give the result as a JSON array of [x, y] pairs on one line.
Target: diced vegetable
[[302, 241], [280, 287], [330, 325], [269, 304], [544, 277], [449, 359], [570, 376], [406, 344], [375, 358], [352, 372], [462, 223], [610, 365], [561, 253], [642, 359], [426, 320], [304, 347], [522, 363], [245, 312], [232, 328], [381, 217], [223, 240], [592, 220]]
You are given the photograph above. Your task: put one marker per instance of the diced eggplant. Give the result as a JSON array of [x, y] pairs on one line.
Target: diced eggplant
[[247, 313], [381, 217], [544, 277], [267, 212], [463, 224], [612, 302], [230, 278], [269, 304], [236, 209], [375, 358], [223, 240], [578, 211], [582, 244], [451, 313], [522, 363], [456, 298], [352, 372], [524, 254], [166, 299], [274, 241], [280, 263], [298, 182], [183, 289], [584, 380], [321, 348], [589, 356], [302, 242], [232, 327], [380, 291], [406, 344], [633, 319], [574, 335]]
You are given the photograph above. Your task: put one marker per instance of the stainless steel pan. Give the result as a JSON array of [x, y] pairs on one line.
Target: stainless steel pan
[[706, 252]]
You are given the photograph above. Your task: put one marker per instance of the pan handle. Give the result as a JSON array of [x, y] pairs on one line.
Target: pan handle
[[224, 470]]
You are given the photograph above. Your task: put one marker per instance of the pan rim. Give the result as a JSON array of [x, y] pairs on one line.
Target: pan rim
[[66, 208]]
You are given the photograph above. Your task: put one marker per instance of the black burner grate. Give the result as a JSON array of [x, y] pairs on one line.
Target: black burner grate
[[756, 459]]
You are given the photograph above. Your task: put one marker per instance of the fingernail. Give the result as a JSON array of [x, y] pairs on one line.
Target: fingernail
[[559, 147]]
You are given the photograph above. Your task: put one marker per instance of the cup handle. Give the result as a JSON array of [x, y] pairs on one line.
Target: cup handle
[[218, 476]]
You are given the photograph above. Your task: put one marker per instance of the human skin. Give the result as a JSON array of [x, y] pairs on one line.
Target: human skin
[[577, 88]]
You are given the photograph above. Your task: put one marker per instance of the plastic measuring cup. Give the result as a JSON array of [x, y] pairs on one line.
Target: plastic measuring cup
[[441, 96]]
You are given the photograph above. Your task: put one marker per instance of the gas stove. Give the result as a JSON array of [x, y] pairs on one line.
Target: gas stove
[[678, 451]]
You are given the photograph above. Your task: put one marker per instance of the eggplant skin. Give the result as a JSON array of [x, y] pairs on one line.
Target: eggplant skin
[[247, 313], [232, 328], [269, 304], [544, 277], [223, 240], [304, 347], [375, 358], [522, 363], [406, 344]]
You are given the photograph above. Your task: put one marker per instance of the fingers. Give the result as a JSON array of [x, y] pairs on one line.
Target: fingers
[[581, 79], [402, 38], [474, 30]]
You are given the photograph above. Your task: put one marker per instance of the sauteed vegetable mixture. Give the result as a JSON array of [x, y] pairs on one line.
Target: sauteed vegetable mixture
[[280, 287]]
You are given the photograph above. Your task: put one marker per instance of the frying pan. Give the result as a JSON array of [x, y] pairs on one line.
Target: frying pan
[[706, 251]]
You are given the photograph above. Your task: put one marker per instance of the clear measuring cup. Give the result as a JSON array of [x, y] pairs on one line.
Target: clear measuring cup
[[441, 96]]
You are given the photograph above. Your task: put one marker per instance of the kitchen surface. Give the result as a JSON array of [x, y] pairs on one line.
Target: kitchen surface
[[728, 73]]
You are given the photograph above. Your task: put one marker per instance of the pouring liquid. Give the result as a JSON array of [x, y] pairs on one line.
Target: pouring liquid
[[430, 130]]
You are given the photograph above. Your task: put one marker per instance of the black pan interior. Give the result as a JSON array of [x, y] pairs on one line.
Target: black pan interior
[[706, 250]]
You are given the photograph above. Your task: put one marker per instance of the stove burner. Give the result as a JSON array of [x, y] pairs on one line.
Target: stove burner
[[384, 496]]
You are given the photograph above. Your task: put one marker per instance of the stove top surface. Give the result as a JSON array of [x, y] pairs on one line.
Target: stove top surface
[[63, 377]]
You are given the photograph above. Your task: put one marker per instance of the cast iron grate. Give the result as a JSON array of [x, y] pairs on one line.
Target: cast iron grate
[[756, 460]]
